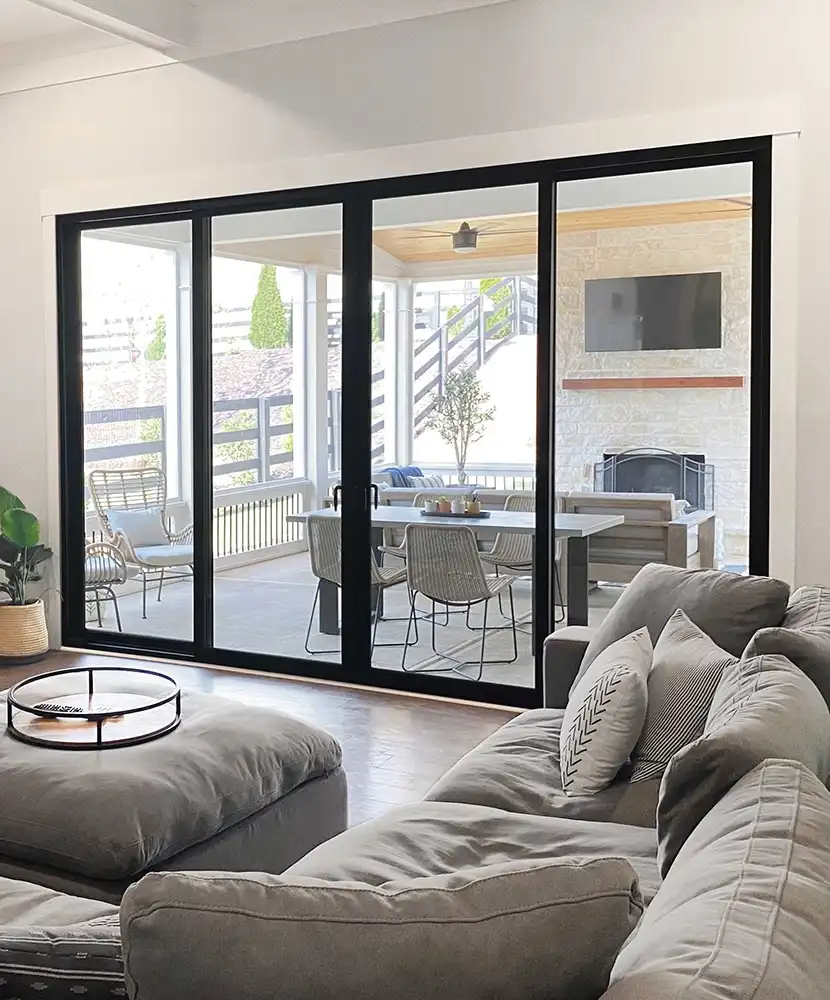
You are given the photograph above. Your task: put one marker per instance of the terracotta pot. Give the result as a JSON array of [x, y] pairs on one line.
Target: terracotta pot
[[23, 634], [444, 507]]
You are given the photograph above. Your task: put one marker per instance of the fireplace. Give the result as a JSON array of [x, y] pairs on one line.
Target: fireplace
[[653, 470]]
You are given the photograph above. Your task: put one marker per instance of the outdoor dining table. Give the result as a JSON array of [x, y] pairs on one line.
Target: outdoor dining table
[[576, 528]]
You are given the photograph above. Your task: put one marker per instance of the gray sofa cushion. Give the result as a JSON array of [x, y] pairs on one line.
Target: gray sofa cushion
[[56, 946], [434, 838], [503, 930], [517, 768], [728, 607], [687, 669], [804, 636], [745, 910], [764, 707], [112, 814]]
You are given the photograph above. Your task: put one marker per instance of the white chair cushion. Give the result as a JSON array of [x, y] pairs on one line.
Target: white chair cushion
[[141, 527], [605, 715], [165, 555]]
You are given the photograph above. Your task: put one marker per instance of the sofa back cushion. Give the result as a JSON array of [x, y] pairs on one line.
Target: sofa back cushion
[[763, 707], [728, 607], [804, 636], [503, 930], [745, 910]]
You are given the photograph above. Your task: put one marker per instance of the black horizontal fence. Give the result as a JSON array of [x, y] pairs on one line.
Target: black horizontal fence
[[144, 428]]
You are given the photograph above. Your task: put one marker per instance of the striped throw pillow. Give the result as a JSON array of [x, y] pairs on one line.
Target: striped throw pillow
[[686, 671]]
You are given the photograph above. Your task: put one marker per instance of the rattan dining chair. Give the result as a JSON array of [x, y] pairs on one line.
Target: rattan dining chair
[[119, 494], [390, 546], [513, 553], [324, 535], [444, 564]]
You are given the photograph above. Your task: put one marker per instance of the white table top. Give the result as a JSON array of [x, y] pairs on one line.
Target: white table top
[[508, 521]]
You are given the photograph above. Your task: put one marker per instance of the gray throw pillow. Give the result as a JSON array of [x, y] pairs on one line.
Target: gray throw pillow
[[728, 607], [744, 911], [605, 715], [527, 930], [687, 669], [764, 707], [804, 636]]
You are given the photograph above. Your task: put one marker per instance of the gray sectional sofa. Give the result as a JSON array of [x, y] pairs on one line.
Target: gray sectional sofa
[[709, 883]]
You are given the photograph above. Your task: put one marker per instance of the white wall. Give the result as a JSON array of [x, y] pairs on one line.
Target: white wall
[[577, 76]]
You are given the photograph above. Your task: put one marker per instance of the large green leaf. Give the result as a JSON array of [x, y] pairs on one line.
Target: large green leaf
[[37, 554], [20, 526], [8, 501], [9, 552]]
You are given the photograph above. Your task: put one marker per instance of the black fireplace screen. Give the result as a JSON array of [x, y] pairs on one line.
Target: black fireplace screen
[[653, 470]]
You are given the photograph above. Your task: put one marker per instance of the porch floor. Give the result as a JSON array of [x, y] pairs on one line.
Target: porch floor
[[264, 608]]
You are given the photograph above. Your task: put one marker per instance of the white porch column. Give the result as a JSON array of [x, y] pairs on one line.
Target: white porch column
[[404, 370], [312, 390], [179, 401], [391, 362]]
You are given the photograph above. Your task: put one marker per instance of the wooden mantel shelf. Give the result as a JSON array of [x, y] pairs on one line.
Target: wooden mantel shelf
[[662, 382]]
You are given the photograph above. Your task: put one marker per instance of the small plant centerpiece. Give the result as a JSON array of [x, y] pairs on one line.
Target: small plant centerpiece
[[23, 634]]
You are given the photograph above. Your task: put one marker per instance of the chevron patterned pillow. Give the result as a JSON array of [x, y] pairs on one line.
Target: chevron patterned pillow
[[605, 715], [687, 669]]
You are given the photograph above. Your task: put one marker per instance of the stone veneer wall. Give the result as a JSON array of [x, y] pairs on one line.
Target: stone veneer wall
[[714, 422]]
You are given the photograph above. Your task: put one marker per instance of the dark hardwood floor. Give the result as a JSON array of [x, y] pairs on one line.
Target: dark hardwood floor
[[394, 747]]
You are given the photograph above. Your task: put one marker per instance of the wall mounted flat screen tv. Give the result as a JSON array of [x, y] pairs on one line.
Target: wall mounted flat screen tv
[[665, 312]]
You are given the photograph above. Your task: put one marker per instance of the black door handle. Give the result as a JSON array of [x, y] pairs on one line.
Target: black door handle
[[335, 494]]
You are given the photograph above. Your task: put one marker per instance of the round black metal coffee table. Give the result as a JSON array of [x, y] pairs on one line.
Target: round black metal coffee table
[[93, 708]]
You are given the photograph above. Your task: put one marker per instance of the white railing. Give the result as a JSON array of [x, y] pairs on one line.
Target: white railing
[[496, 475]]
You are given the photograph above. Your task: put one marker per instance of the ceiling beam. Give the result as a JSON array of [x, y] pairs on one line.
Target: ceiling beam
[[123, 24]]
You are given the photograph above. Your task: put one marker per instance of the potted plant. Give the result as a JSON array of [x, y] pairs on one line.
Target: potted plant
[[23, 634], [444, 505], [461, 414]]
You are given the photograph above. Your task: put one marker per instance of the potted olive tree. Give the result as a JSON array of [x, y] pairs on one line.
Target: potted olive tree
[[461, 415], [23, 634]]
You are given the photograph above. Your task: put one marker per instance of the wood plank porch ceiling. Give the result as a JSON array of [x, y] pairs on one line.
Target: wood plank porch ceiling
[[515, 236]]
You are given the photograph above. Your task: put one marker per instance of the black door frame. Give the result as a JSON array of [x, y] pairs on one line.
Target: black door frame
[[356, 199]]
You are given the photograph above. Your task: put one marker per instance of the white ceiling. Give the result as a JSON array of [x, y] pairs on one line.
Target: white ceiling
[[22, 21], [193, 28]]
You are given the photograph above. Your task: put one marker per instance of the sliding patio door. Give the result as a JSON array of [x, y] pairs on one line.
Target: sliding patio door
[[660, 347], [459, 367], [528, 338], [276, 348], [128, 506]]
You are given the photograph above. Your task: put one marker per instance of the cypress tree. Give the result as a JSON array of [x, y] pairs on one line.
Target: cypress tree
[[269, 325]]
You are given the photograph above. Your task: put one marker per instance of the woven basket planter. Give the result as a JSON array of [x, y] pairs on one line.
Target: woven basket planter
[[23, 634]]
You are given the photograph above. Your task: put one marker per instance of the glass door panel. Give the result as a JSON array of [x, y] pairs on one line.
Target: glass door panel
[[653, 355], [455, 286], [276, 344], [135, 308]]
